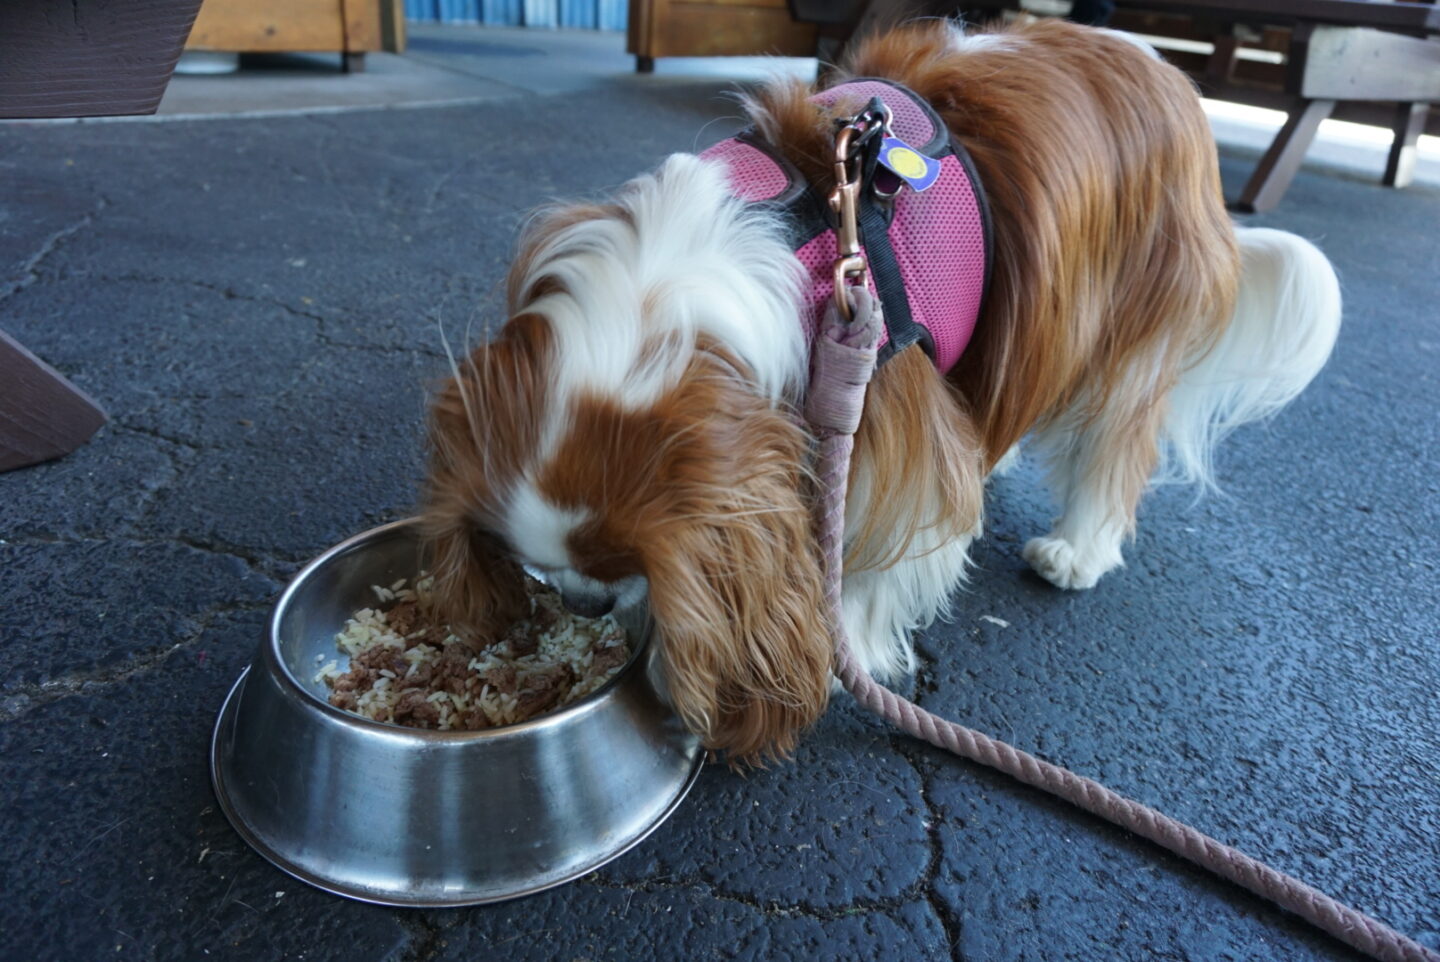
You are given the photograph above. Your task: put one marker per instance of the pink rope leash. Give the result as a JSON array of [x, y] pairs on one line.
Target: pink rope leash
[[843, 363]]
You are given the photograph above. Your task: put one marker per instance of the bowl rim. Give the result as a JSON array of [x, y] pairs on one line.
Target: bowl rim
[[276, 666]]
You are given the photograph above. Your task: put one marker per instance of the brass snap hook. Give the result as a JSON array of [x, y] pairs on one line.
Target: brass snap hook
[[850, 266]]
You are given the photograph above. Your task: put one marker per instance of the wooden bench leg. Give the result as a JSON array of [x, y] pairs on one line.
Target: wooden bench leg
[[1409, 122], [1220, 68], [1277, 168]]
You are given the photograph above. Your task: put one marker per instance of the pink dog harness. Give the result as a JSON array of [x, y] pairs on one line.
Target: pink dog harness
[[928, 250]]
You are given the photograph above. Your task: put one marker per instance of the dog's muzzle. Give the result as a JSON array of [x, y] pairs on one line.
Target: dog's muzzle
[[588, 603]]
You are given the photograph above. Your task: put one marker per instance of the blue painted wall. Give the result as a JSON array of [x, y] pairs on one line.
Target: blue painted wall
[[591, 14]]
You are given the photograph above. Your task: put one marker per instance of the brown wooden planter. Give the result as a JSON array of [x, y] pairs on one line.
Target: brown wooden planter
[[349, 27], [89, 58], [714, 28]]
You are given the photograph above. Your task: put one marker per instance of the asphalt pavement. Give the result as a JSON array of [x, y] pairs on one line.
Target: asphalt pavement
[[258, 302]]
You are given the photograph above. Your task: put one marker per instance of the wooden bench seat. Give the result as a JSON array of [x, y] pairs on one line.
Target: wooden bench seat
[[1377, 61], [1332, 52]]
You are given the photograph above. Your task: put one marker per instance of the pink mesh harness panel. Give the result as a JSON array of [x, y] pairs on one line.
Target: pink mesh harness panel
[[940, 236]]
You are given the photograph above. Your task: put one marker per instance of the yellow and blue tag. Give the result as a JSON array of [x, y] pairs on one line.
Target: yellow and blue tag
[[909, 164]]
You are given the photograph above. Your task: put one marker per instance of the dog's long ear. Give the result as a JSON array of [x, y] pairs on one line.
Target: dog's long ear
[[735, 587], [479, 590]]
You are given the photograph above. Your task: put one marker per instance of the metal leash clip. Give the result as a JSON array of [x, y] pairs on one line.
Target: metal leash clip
[[850, 265]]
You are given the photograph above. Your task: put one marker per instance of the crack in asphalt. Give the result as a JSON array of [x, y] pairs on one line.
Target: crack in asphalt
[[227, 291], [910, 750], [324, 333], [152, 493], [950, 921], [257, 562], [923, 889], [30, 270], [322, 329], [150, 485], [766, 907], [23, 699], [126, 426], [277, 567], [273, 568]]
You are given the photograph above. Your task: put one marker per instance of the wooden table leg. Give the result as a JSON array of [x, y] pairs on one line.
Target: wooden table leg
[[42, 415], [1277, 168], [1220, 68], [1409, 122]]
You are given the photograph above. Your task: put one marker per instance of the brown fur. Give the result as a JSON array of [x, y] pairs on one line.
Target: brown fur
[[474, 457], [1112, 249], [703, 494], [1114, 264], [915, 434]]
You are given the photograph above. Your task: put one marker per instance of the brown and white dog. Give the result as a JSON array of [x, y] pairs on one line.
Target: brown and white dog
[[631, 430]]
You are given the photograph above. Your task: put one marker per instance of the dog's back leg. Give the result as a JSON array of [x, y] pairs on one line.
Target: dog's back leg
[[1099, 463], [1283, 327]]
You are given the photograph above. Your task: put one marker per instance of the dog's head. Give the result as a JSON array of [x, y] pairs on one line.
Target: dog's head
[[624, 434]]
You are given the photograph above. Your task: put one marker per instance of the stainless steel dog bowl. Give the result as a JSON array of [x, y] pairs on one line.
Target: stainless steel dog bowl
[[401, 816]]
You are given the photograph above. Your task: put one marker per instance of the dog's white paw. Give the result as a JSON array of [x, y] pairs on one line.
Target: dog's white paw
[[1058, 562]]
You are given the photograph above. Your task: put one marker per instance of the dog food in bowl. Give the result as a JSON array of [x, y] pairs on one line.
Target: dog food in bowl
[[407, 670]]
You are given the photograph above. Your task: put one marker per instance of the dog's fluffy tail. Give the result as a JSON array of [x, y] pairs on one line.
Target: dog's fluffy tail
[[1286, 320]]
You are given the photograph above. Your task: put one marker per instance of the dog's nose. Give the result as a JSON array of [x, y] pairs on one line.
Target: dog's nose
[[588, 604]]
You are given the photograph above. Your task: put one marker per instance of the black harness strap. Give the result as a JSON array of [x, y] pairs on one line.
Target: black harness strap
[[874, 223], [899, 322]]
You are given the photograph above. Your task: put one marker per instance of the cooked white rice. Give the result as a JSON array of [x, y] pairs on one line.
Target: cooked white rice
[[572, 640]]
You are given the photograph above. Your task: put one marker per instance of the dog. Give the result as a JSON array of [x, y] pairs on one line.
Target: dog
[[632, 430]]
